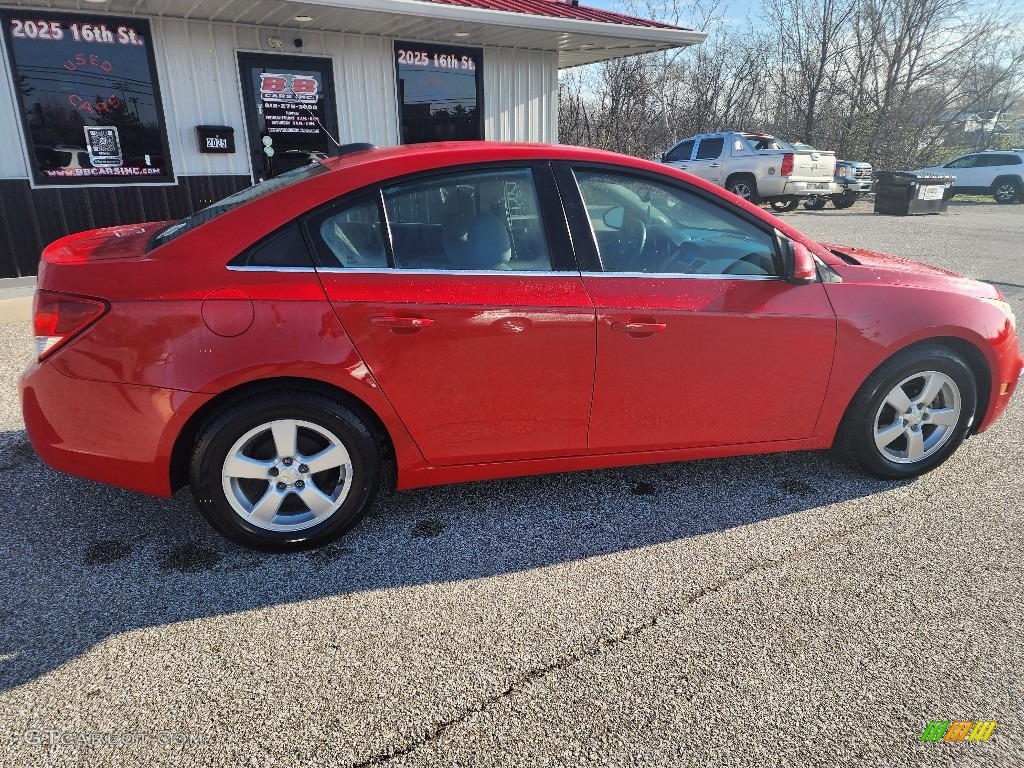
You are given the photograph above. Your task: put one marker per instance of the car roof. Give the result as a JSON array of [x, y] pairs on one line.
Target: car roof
[[458, 152]]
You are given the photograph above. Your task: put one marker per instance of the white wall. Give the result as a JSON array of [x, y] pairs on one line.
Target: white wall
[[520, 95], [197, 69]]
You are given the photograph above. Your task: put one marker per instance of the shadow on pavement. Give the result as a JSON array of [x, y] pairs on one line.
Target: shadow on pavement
[[83, 562]]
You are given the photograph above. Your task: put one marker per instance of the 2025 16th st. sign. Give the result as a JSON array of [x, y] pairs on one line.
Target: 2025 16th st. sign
[[89, 98]]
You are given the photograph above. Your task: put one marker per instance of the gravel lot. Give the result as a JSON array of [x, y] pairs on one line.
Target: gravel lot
[[775, 610]]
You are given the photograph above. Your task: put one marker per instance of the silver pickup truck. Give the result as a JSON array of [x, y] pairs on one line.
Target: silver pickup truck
[[756, 166]]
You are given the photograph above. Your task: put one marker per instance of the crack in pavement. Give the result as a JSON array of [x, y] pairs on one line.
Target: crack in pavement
[[607, 642]]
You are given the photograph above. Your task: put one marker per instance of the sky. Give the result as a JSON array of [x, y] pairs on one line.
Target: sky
[[732, 10], [741, 10]]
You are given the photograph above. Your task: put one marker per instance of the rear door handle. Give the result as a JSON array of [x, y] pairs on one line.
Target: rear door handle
[[714, 165], [639, 327], [401, 323]]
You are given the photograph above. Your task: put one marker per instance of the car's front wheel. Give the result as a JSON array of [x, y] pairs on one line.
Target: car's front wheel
[[815, 202], [743, 185], [910, 415], [285, 471], [842, 202]]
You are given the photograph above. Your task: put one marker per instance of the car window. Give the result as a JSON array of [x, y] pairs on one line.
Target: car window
[[680, 152], [967, 161], [998, 160], [763, 142], [710, 149], [470, 220], [349, 236], [644, 225], [233, 201], [286, 247]]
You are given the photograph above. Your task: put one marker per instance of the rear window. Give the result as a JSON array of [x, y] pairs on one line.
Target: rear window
[[233, 201], [761, 141]]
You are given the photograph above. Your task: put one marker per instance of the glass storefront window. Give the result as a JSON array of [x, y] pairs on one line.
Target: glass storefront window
[[89, 99], [440, 92]]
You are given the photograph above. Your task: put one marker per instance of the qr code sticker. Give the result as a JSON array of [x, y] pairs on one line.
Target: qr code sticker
[[104, 142]]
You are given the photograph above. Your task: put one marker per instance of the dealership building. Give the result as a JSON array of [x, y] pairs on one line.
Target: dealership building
[[121, 111]]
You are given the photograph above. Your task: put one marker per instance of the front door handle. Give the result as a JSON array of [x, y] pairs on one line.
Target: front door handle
[[401, 323], [714, 165], [639, 327]]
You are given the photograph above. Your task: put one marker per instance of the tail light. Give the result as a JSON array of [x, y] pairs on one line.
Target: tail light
[[59, 316], [787, 164]]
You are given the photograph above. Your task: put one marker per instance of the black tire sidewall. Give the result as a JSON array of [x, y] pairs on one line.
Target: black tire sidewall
[[861, 420], [750, 183], [785, 206], [218, 438]]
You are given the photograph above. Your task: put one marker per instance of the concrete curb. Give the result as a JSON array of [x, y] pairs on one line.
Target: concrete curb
[[16, 299], [16, 310]]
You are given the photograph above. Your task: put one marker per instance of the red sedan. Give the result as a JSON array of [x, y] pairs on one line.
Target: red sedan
[[470, 311]]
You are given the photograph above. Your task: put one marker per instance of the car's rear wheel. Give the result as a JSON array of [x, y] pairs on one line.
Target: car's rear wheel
[[785, 204], [815, 202], [285, 471], [842, 201], [1007, 191], [910, 415]]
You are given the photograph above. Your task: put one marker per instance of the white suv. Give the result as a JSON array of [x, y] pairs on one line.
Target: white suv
[[1000, 174]]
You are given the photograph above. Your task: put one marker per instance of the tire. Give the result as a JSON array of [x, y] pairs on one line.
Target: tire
[[785, 204], [815, 202], [1007, 191], [315, 506], [841, 202], [896, 443], [743, 186]]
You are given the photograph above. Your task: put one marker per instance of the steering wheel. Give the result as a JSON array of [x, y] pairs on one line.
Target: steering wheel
[[632, 238], [754, 259]]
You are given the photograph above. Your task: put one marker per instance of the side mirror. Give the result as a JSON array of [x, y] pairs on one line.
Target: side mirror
[[800, 267], [664, 157], [614, 218]]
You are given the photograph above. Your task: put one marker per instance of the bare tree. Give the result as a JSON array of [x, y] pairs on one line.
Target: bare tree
[[874, 79]]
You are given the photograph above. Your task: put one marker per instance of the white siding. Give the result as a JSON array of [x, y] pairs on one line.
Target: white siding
[[197, 69], [520, 95]]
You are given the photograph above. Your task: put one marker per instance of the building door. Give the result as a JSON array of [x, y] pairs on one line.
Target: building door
[[290, 114]]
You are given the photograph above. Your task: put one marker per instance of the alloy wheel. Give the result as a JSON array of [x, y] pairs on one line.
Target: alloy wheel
[[287, 475], [741, 189], [917, 417], [1006, 193]]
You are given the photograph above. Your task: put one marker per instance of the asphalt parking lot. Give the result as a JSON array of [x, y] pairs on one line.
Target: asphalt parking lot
[[762, 611]]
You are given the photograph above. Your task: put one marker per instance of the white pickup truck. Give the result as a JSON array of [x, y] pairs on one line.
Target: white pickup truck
[[756, 166]]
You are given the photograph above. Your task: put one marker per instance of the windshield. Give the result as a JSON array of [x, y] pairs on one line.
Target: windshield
[[239, 198]]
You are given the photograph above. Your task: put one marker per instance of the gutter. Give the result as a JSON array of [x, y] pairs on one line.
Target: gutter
[[675, 37]]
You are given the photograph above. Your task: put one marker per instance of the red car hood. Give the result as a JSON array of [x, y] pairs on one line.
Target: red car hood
[[108, 244], [896, 270]]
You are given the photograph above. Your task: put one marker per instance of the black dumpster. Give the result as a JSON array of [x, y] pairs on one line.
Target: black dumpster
[[899, 193]]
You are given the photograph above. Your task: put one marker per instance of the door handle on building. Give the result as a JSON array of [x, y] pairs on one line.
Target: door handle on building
[[401, 323]]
